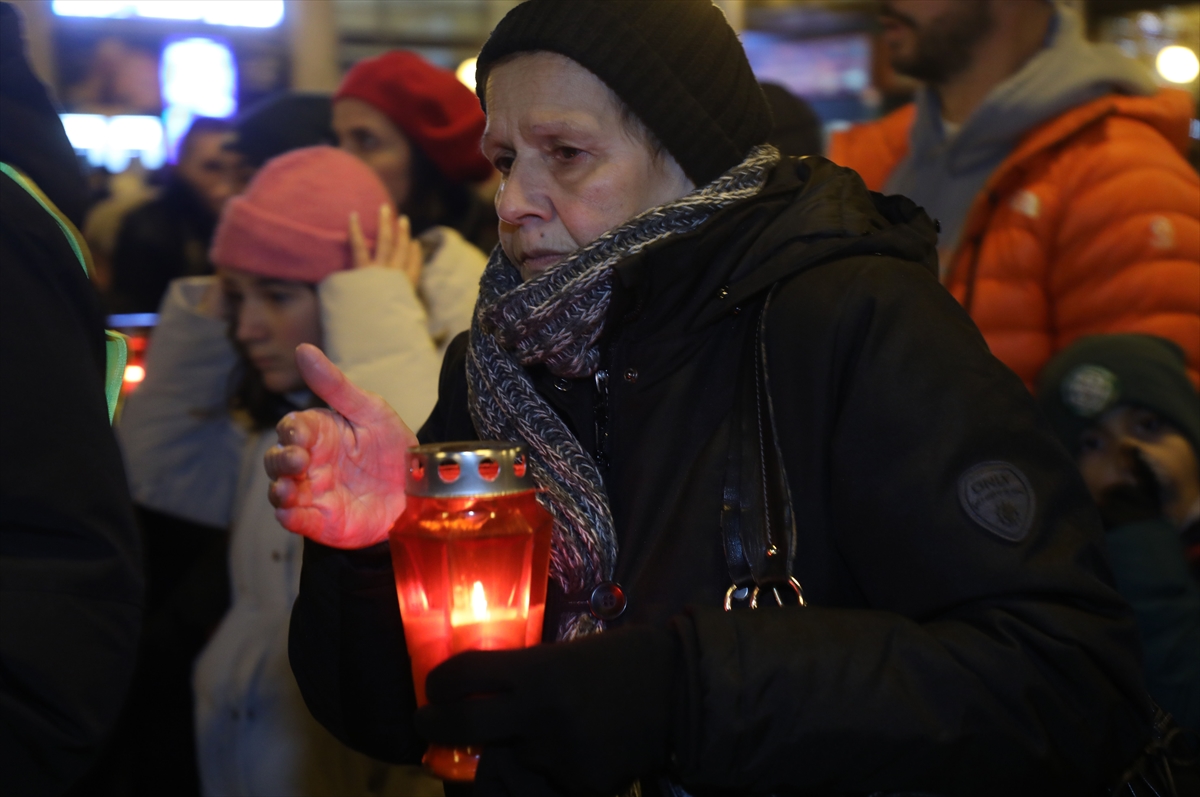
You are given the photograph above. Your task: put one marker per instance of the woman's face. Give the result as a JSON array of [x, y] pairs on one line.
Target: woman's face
[[271, 317], [365, 132], [571, 168]]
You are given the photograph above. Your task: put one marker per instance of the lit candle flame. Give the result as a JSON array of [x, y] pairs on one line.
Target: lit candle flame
[[479, 602]]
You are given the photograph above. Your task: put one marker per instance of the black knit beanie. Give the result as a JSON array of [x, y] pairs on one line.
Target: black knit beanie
[[1100, 372], [676, 63], [283, 123]]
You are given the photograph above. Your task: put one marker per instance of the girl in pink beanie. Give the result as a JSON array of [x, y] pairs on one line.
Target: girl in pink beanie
[[310, 253]]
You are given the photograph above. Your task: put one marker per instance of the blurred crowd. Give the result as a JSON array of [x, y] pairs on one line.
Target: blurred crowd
[[1068, 225]]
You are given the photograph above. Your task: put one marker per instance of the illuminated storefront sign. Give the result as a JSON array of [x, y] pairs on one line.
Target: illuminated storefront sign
[[112, 141], [199, 78], [239, 13]]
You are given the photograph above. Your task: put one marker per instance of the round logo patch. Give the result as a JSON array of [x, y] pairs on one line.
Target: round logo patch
[[997, 496], [1089, 390]]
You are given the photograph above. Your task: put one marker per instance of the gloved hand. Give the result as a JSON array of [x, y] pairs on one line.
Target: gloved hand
[[590, 716]]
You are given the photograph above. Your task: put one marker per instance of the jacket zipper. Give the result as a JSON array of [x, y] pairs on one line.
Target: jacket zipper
[[601, 417]]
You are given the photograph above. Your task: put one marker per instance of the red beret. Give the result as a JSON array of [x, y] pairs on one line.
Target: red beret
[[436, 112]]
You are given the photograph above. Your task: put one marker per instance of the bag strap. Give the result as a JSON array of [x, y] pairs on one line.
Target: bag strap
[[116, 345], [758, 524], [1169, 765]]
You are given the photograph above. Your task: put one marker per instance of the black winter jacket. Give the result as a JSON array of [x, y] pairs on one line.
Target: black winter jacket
[[935, 655], [160, 241], [70, 558]]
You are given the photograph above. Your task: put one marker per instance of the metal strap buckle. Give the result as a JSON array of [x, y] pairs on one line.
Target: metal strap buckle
[[730, 594]]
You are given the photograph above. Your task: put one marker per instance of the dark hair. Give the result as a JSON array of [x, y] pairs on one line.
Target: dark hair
[[202, 125], [434, 199], [249, 397]]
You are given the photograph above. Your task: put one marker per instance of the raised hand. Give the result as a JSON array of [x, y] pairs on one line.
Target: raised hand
[[338, 475], [396, 248]]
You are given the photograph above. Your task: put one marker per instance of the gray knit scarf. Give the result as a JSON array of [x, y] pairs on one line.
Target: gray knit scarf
[[557, 318]]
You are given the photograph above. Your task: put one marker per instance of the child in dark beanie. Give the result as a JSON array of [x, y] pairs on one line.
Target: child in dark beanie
[[1125, 408]]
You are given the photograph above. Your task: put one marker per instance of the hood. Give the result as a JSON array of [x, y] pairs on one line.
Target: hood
[[32, 137], [1067, 73], [814, 211], [810, 212]]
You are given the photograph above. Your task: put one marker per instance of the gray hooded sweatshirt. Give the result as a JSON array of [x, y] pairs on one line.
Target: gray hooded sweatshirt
[[944, 173]]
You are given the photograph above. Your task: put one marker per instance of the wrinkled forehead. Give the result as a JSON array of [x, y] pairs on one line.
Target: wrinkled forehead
[[535, 90], [546, 80]]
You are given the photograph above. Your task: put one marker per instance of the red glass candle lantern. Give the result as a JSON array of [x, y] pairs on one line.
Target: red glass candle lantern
[[471, 554]]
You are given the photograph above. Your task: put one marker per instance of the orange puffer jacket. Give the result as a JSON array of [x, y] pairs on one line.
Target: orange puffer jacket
[[1091, 225]]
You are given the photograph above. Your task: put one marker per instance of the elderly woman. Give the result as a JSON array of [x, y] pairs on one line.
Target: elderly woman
[[742, 374]]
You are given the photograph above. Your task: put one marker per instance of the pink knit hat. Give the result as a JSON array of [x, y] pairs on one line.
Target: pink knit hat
[[293, 220]]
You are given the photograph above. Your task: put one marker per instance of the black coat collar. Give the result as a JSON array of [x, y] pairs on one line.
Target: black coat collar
[[811, 211]]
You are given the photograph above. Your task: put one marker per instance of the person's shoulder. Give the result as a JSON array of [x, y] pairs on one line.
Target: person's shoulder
[[21, 216], [456, 352], [874, 148], [140, 227], [1168, 113], [34, 241], [153, 220], [451, 251], [891, 128], [1116, 133], [860, 286]]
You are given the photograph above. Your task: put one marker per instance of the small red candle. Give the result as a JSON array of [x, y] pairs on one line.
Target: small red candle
[[471, 555]]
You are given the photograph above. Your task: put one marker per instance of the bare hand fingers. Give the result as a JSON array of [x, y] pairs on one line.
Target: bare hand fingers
[[385, 244], [286, 461], [304, 520], [297, 429], [400, 250], [342, 395], [358, 243], [283, 493]]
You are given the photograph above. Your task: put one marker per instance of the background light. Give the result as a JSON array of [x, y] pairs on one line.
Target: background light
[[134, 373], [136, 134], [199, 74], [199, 78], [1178, 64], [239, 13], [88, 132], [112, 141], [466, 73]]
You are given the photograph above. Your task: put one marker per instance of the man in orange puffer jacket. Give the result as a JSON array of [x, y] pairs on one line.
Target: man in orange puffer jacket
[[1055, 169]]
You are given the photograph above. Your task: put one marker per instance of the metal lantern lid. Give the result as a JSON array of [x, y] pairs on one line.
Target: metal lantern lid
[[466, 469]]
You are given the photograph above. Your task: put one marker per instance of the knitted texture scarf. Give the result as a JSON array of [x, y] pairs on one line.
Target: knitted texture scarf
[[557, 319]]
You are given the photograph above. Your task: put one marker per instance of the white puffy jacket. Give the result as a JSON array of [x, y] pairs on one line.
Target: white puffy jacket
[[188, 457]]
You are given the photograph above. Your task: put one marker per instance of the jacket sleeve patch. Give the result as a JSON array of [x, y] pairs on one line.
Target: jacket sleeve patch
[[997, 496]]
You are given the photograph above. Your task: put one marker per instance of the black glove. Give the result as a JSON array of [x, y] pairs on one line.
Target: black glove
[[590, 716]]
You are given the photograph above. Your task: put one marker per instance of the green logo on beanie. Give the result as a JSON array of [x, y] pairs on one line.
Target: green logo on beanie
[[1088, 390]]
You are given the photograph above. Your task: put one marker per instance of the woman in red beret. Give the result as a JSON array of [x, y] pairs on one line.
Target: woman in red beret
[[419, 128]]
